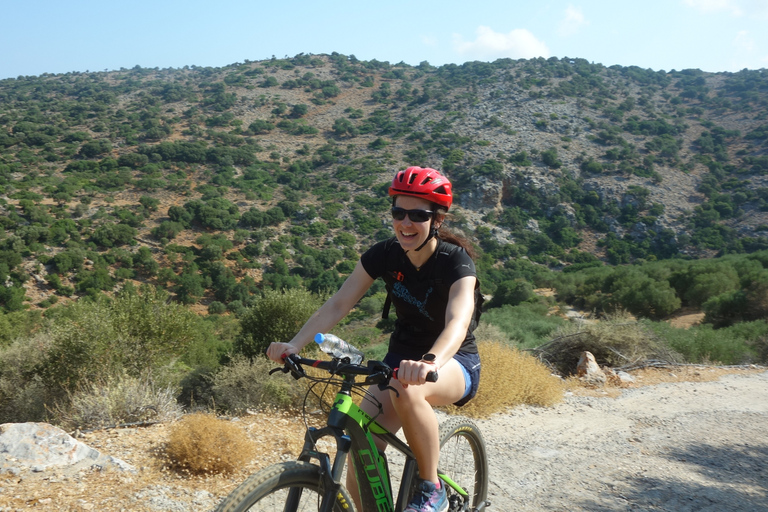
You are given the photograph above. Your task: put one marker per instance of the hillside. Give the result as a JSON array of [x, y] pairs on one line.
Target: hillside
[[216, 182]]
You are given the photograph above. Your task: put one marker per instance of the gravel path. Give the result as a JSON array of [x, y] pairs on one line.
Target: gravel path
[[677, 447], [691, 446]]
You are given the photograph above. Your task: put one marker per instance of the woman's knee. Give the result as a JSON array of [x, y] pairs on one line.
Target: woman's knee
[[450, 385], [401, 395]]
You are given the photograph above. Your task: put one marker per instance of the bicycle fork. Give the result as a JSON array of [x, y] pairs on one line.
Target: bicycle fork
[[369, 465], [330, 473]]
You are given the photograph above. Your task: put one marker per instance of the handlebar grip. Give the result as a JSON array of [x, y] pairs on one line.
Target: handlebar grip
[[431, 376]]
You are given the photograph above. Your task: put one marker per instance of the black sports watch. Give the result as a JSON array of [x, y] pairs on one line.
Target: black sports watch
[[429, 358]]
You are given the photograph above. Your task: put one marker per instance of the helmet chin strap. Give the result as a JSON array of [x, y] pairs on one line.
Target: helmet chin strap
[[432, 234]]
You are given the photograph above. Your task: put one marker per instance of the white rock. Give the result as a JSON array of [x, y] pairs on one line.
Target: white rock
[[40, 446]]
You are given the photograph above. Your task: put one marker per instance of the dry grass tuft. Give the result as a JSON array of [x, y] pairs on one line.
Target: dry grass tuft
[[202, 444], [246, 384], [616, 341], [509, 378], [122, 399]]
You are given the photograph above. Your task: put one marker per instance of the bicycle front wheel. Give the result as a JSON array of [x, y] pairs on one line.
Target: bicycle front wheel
[[464, 460], [289, 486]]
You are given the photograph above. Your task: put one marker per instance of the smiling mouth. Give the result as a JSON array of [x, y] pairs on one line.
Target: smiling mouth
[[408, 235]]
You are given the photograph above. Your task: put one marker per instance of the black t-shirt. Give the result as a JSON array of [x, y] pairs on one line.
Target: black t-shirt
[[420, 297]]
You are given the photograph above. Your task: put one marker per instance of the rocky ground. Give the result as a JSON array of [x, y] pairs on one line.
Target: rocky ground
[[683, 439]]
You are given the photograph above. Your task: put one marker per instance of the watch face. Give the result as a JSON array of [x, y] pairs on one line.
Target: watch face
[[428, 357]]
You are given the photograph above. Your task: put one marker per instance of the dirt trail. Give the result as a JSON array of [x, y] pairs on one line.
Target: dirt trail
[[674, 446], [690, 446]]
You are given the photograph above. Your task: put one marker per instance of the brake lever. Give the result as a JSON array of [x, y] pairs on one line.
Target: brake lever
[[382, 376], [291, 367], [383, 386]]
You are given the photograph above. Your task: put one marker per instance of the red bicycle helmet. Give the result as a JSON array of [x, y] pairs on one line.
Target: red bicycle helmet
[[425, 183]]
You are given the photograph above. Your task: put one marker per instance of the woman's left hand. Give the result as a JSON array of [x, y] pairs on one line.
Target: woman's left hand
[[414, 372]]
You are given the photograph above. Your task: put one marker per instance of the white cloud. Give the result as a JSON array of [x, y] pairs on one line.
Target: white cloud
[[745, 8], [572, 23], [517, 44], [715, 6], [744, 42], [429, 40], [746, 53], [755, 8]]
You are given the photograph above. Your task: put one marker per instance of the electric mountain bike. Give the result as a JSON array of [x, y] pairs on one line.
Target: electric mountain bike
[[313, 482]]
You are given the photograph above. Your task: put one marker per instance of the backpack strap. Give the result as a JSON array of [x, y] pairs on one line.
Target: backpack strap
[[387, 305], [390, 266]]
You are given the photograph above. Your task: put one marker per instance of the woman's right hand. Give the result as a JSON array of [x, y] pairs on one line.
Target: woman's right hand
[[278, 351]]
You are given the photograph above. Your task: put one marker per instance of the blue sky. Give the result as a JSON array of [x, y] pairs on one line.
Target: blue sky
[[47, 36]]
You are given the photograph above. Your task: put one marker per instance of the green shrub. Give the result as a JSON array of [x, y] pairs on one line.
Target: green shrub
[[276, 317], [137, 332], [550, 158], [23, 394], [112, 235], [528, 324], [646, 297], [17, 324], [704, 344], [591, 166], [511, 293], [703, 280], [216, 308], [747, 304], [491, 333]]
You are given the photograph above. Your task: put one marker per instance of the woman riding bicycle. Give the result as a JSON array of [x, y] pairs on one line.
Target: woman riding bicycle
[[432, 283]]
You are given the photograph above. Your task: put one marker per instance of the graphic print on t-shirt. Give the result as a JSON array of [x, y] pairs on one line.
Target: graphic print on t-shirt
[[400, 291]]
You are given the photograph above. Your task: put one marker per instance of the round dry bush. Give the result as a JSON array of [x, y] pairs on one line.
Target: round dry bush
[[204, 444], [116, 400], [509, 378], [617, 341], [247, 384]]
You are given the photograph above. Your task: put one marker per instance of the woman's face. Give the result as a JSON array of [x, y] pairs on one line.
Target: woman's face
[[412, 234]]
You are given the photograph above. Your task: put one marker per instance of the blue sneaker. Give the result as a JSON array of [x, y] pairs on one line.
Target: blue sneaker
[[428, 498]]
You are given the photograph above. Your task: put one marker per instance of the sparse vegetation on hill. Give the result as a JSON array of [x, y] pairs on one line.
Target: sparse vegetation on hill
[[217, 188]]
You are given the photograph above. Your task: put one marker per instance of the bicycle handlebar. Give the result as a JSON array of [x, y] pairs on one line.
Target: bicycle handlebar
[[431, 376], [376, 372]]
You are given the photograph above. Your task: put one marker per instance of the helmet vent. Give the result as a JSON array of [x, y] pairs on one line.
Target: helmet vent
[[423, 182]]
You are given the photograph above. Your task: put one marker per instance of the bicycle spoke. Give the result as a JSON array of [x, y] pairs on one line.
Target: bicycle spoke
[[464, 462], [456, 459]]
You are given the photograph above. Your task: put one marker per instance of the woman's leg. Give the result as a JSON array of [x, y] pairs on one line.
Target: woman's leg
[[388, 419], [420, 426]]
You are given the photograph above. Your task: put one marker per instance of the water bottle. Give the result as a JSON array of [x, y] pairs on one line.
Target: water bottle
[[336, 347]]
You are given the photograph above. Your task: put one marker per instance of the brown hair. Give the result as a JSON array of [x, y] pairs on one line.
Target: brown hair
[[449, 236]]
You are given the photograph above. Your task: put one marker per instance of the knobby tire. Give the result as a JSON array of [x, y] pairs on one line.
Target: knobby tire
[[463, 458], [267, 490]]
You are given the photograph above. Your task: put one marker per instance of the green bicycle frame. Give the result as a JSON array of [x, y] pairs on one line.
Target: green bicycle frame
[[353, 430]]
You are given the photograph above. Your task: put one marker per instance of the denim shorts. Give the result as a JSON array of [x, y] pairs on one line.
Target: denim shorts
[[470, 365]]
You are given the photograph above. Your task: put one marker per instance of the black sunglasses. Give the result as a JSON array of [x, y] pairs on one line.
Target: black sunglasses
[[415, 215]]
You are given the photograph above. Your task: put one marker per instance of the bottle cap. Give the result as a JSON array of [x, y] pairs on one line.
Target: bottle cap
[[319, 338]]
